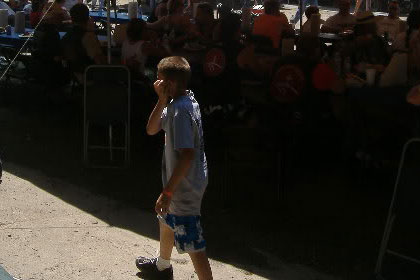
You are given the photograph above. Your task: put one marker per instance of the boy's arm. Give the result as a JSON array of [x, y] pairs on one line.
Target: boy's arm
[[180, 171], [186, 157], [154, 125]]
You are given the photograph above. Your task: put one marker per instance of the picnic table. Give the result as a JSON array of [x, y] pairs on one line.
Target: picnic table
[[121, 17], [17, 40], [14, 39], [325, 37]]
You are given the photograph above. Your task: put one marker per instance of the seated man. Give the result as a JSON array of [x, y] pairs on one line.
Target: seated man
[[391, 25], [81, 47], [204, 22], [311, 10], [57, 14], [272, 23], [402, 40], [341, 21], [46, 63], [176, 23], [160, 10], [18, 5], [36, 12]]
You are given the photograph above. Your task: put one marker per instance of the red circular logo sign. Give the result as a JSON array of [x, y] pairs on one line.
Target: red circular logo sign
[[214, 62], [287, 83]]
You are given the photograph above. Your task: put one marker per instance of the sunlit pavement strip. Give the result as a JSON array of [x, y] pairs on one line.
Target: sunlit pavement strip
[[44, 237]]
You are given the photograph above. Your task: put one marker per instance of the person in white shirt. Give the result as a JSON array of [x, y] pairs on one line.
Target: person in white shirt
[[401, 42], [132, 54], [391, 25], [136, 48], [342, 21], [27, 9], [404, 66], [4, 6]]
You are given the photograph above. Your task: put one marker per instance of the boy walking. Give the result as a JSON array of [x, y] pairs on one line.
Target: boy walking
[[184, 172]]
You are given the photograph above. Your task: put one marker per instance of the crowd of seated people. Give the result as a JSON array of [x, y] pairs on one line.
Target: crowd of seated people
[[35, 10], [144, 43], [384, 44]]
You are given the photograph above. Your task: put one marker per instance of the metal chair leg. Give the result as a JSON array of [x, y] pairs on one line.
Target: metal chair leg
[[280, 185], [110, 143], [127, 146], [86, 143], [224, 192], [384, 245]]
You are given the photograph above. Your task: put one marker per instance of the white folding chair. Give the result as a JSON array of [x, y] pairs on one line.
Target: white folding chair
[[405, 201]]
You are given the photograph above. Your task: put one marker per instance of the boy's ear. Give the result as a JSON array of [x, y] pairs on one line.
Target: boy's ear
[[169, 87], [171, 84]]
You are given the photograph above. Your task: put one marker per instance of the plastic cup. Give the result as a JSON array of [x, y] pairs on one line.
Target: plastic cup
[[370, 76]]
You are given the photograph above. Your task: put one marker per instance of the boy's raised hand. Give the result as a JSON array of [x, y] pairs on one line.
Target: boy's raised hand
[[161, 90]]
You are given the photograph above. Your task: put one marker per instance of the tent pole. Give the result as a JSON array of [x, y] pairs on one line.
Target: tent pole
[[108, 27], [301, 14]]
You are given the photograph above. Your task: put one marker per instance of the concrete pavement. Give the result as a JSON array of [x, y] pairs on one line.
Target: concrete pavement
[[52, 230]]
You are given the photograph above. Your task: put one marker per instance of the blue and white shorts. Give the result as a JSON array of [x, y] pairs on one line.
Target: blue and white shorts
[[188, 232]]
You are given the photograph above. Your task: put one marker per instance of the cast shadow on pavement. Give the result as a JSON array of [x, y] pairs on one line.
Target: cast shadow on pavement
[[231, 251]]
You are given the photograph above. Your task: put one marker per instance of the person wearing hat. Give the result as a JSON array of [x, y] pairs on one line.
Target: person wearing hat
[[367, 50], [342, 21]]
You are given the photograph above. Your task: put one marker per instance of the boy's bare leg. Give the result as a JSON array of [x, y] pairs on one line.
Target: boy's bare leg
[[167, 239], [201, 265]]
